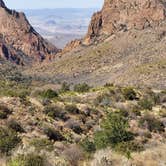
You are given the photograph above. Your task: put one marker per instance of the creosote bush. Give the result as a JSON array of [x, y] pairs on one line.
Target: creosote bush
[[4, 112], [129, 93], [65, 87], [55, 112], [153, 124], [146, 104], [27, 160], [49, 94], [88, 146], [42, 143], [82, 88], [53, 134], [8, 140], [72, 109], [14, 125]]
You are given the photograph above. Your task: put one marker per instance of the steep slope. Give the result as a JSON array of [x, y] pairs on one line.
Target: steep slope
[[16, 32], [132, 53], [123, 15]]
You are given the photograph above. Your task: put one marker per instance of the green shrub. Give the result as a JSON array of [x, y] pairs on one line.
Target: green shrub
[[129, 93], [8, 140], [12, 124], [101, 140], [49, 94], [130, 146], [88, 145], [72, 109], [146, 104], [153, 124], [53, 134], [82, 88], [4, 112], [55, 112], [114, 131], [27, 160], [42, 143], [65, 87]]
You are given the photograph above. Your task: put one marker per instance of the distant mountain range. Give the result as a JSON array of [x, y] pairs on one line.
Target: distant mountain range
[[60, 25]]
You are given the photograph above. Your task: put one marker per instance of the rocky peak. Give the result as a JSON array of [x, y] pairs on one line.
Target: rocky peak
[[119, 15], [2, 4], [18, 33]]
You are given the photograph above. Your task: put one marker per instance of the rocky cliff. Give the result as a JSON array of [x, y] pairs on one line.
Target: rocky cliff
[[20, 35], [122, 15]]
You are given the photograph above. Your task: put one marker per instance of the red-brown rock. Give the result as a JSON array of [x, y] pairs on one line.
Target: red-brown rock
[[18, 33], [119, 15]]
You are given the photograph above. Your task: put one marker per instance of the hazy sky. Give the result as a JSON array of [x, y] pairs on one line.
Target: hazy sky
[[35, 4]]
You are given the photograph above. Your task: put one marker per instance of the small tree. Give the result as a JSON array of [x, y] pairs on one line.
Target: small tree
[[114, 130]]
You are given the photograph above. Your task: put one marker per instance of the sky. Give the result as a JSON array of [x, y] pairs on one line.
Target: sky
[[39, 4]]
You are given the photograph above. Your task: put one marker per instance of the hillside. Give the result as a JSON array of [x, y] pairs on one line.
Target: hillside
[[132, 55], [99, 102], [19, 41]]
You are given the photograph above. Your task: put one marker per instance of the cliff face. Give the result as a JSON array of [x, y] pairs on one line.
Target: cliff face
[[18, 33], [117, 15]]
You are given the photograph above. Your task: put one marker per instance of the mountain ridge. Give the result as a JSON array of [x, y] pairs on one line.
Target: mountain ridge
[[131, 55], [18, 33]]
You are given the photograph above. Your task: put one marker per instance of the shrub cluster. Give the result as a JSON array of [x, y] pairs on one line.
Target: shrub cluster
[[114, 131], [27, 160], [153, 124], [8, 140], [4, 112], [82, 88], [53, 134], [49, 94]]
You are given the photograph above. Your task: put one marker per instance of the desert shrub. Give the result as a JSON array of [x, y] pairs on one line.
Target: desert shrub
[[72, 109], [129, 93], [74, 155], [114, 131], [4, 112], [88, 146], [74, 125], [146, 104], [8, 140], [12, 124], [82, 88], [101, 140], [107, 85], [65, 87], [162, 112], [53, 134], [153, 124], [42, 143], [27, 160], [55, 112], [49, 94], [127, 147], [103, 100]]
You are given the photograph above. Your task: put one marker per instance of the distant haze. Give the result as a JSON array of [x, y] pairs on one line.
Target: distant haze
[[60, 26], [38, 4]]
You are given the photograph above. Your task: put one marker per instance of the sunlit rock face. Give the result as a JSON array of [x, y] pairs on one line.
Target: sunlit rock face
[[18, 33], [119, 15]]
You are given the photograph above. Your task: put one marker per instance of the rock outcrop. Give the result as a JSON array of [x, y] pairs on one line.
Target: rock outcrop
[[17, 32], [117, 15], [71, 45]]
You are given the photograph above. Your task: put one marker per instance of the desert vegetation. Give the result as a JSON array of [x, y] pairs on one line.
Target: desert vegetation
[[71, 126]]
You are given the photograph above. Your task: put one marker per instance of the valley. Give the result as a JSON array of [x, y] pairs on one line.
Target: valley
[[98, 101]]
